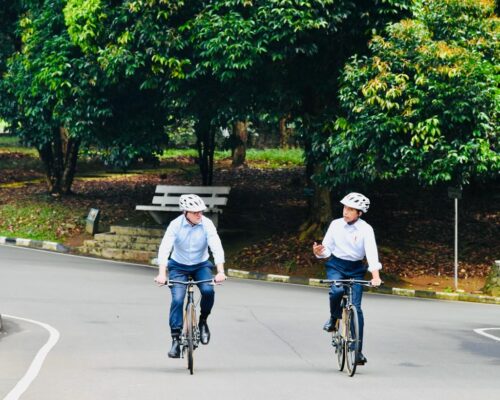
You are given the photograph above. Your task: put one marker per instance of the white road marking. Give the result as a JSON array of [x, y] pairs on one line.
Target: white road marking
[[37, 362], [481, 331]]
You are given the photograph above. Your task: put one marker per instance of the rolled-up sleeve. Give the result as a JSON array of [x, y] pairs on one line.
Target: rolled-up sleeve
[[371, 251], [214, 242], [167, 243]]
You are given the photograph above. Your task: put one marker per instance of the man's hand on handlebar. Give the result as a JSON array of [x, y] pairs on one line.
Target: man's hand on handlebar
[[220, 277], [161, 279], [376, 282]]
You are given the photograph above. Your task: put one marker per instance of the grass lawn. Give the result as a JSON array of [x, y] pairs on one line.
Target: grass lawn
[[38, 220]]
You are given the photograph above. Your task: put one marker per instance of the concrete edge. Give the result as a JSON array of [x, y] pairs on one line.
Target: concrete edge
[[426, 294], [234, 273], [36, 244]]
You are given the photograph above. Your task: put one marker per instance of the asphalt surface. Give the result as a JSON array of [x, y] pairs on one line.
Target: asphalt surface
[[266, 342]]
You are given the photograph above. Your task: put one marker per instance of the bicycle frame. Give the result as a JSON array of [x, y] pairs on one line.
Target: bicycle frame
[[346, 339], [346, 304], [196, 331], [190, 335]]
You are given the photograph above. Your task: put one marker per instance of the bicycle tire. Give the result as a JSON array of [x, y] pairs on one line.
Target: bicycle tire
[[338, 344], [352, 340], [190, 324]]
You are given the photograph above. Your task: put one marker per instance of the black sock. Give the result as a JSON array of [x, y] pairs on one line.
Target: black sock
[[175, 333]]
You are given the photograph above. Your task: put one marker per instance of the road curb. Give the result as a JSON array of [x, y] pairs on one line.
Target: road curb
[[36, 244], [426, 294]]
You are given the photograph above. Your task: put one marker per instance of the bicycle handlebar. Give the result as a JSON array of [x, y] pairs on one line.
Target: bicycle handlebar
[[348, 282], [170, 283]]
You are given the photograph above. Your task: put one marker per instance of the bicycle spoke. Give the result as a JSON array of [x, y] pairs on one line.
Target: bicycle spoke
[[338, 344], [352, 342], [190, 337]]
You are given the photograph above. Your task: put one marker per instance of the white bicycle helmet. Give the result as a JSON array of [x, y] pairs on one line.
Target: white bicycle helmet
[[191, 203], [357, 201]]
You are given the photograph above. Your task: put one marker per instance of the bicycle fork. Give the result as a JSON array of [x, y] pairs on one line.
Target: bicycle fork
[[194, 325], [341, 333]]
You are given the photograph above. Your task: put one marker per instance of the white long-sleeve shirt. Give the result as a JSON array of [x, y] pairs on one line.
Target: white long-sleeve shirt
[[351, 242], [190, 243]]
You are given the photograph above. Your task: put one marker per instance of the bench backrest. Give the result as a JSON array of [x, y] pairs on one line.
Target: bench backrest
[[213, 196]]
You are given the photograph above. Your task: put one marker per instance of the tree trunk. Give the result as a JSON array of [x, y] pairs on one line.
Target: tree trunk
[[320, 213], [285, 132], [240, 136], [206, 147], [59, 158], [320, 210]]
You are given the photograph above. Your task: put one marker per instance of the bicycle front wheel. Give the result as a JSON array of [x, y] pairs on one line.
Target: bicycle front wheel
[[352, 340], [338, 344], [190, 325]]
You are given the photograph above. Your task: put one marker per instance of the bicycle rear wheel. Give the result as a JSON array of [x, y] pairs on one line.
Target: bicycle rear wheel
[[190, 325], [352, 340], [338, 344]]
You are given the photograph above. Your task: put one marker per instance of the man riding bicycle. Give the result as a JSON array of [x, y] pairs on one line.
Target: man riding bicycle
[[189, 236], [347, 241]]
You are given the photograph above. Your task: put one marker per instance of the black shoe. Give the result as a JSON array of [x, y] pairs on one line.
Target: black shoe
[[361, 359], [330, 325], [204, 331], [175, 351]]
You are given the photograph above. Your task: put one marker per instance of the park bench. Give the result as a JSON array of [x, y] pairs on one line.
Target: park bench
[[166, 201]]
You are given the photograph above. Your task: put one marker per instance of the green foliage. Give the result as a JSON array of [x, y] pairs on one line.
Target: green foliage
[[49, 83], [220, 61], [56, 95], [425, 102], [174, 153], [274, 158], [9, 141], [39, 221], [277, 157], [93, 66]]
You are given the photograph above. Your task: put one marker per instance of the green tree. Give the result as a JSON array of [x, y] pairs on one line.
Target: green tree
[[425, 102], [283, 58], [44, 93], [58, 100], [218, 62]]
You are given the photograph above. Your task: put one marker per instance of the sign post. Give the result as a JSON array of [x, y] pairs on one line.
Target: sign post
[[455, 193], [92, 221]]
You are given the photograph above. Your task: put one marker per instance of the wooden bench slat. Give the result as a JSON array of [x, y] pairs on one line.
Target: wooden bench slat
[[174, 200], [199, 190], [166, 200], [171, 209]]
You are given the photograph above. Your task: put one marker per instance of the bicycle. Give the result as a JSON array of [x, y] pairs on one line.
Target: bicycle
[[190, 335], [345, 337]]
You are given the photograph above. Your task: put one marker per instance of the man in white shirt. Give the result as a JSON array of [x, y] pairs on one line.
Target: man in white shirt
[[189, 236], [347, 242]]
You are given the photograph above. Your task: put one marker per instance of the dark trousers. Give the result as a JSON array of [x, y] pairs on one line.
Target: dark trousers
[[181, 272], [337, 268]]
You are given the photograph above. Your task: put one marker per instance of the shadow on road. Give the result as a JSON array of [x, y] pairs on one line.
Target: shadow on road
[[9, 327]]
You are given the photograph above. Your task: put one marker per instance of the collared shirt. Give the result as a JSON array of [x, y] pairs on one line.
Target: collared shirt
[[351, 242], [190, 243]]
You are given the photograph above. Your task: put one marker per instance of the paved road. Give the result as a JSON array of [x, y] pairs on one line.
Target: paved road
[[267, 341]]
